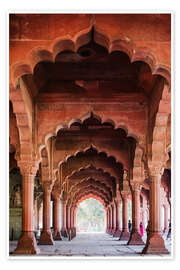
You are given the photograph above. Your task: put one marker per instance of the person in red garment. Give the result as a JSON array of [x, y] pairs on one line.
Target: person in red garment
[[141, 229]]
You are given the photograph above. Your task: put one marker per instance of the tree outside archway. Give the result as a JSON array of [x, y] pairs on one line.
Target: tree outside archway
[[91, 216]]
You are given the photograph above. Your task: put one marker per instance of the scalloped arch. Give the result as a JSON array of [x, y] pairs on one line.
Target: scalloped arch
[[85, 151], [121, 43], [91, 195], [61, 126]]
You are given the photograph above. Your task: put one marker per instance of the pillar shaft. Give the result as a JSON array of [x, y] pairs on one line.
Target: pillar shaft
[[107, 222], [125, 214], [75, 216], [64, 227], [117, 232], [71, 217], [155, 242], [135, 237], [46, 209], [68, 217], [125, 232], [56, 220], [113, 224], [111, 218], [166, 225], [27, 242], [46, 235]]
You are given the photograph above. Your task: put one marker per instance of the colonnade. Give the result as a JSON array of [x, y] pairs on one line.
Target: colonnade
[[154, 245]]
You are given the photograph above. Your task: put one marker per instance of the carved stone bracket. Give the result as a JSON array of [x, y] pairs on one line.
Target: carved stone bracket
[[28, 168]]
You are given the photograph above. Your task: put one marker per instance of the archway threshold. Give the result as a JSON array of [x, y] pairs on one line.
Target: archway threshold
[[95, 244]]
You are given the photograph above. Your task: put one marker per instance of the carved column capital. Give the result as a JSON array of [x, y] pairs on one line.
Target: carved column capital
[[28, 168], [136, 186], [47, 186], [156, 169], [118, 200], [55, 195], [125, 194]]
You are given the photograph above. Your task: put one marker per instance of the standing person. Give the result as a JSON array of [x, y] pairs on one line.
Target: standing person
[[141, 229], [129, 225]]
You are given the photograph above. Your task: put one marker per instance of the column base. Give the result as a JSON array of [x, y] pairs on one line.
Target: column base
[[155, 245], [57, 235], [64, 233], [117, 233], [27, 244], [46, 238], [135, 239], [124, 236], [73, 232]]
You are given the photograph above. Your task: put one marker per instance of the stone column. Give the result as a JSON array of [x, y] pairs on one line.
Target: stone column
[[107, 221], [46, 235], [68, 220], [125, 231], [71, 215], [166, 225], [27, 242], [118, 230], [71, 220], [74, 217], [64, 228], [107, 210], [114, 218], [68, 217], [110, 220], [135, 236], [56, 220], [155, 242]]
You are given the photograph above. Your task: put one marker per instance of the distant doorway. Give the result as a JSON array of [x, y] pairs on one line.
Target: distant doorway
[[90, 216]]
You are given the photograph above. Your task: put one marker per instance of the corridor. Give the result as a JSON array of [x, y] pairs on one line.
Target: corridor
[[92, 244]]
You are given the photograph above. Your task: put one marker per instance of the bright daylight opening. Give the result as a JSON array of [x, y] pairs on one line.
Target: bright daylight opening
[[90, 216]]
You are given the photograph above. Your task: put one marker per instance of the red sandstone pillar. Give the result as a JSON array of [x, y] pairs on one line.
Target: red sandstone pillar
[[166, 225], [56, 221], [75, 216], [64, 228], [107, 225], [110, 219], [46, 235], [114, 218], [142, 217], [71, 216], [135, 236], [27, 242], [68, 217], [118, 230], [155, 242], [68, 220], [125, 231]]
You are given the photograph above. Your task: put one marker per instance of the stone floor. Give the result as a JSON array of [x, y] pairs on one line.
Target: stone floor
[[91, 244]]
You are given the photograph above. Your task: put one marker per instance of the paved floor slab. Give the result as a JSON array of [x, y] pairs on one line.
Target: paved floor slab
[[91, 244]]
